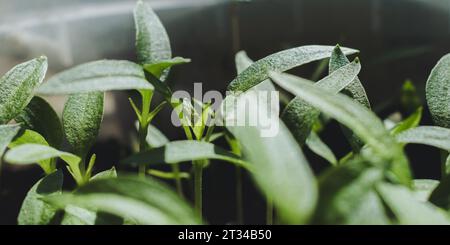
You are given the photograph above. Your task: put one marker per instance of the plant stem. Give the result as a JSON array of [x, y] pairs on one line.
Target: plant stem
[[178, 185], [143, 124], [198, 186], [269, 211]]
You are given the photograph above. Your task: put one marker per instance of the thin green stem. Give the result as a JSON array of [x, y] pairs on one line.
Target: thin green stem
[[178, 184], [143, 124], [198, 187]]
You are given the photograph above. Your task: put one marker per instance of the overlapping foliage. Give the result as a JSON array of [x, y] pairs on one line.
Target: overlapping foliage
[[373, 184]]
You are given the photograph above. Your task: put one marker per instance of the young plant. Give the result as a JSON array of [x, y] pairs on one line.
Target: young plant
[[372, 184]]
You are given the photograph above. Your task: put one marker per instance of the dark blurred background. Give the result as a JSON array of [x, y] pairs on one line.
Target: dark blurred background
[[398, 40]]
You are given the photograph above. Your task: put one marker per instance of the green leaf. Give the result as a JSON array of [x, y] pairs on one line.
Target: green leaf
[[7, 133], [279, 62], [155, 138], [110, 173], [354, 90], [364, 123], [300, 117], [411, 122], [423, 188], [316, 145], [440, 196], [34, 211], [32, 137], [82, 117], [183, 151], [407, 209], [347, 195], [40, 117], [242, 61], [97, 76], [158, 68], [437, 92], [428, 135], [17, 86], [152, 41], [143, 200], [34, 153], [281, 171], [74, 215], [168, 175]]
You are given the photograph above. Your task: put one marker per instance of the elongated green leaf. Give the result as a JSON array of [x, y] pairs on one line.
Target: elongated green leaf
[[152, 41], [242, 61], [281, 171], [34, 211], [74, 215], [300, 117], [110, 173], [155, 138], [143, 200], [363, 122], [97, 76], [316, 145], [182, 151], [279, 62], [35, 153], [7, 133], [354, 90], [428, 135], [347, 195], [82, 117], [437, 92], [40, 117], [423, 188], [407, 209], [17, 86], [158, 68], [411, 122], [32, 137]]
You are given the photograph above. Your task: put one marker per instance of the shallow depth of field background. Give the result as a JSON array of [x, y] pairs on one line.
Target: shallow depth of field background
[[398, 40]]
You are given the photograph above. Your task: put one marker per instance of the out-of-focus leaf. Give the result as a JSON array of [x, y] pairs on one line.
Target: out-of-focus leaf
[[155, 138], [354, 90], [409, 99], [74, 215], [281, 171], [347, 195], [423, 188], [428, 135], [411, 122], [280, 62], [7, 133], [34, 211], [168, 175], [437, 92], [17, 86], [97, 76], [364, 123], [32, 137], [183, 151], [407, 209], [143, 200], [152, 41], [316, 145], [82, 117], [39, 116], [300, 117]]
